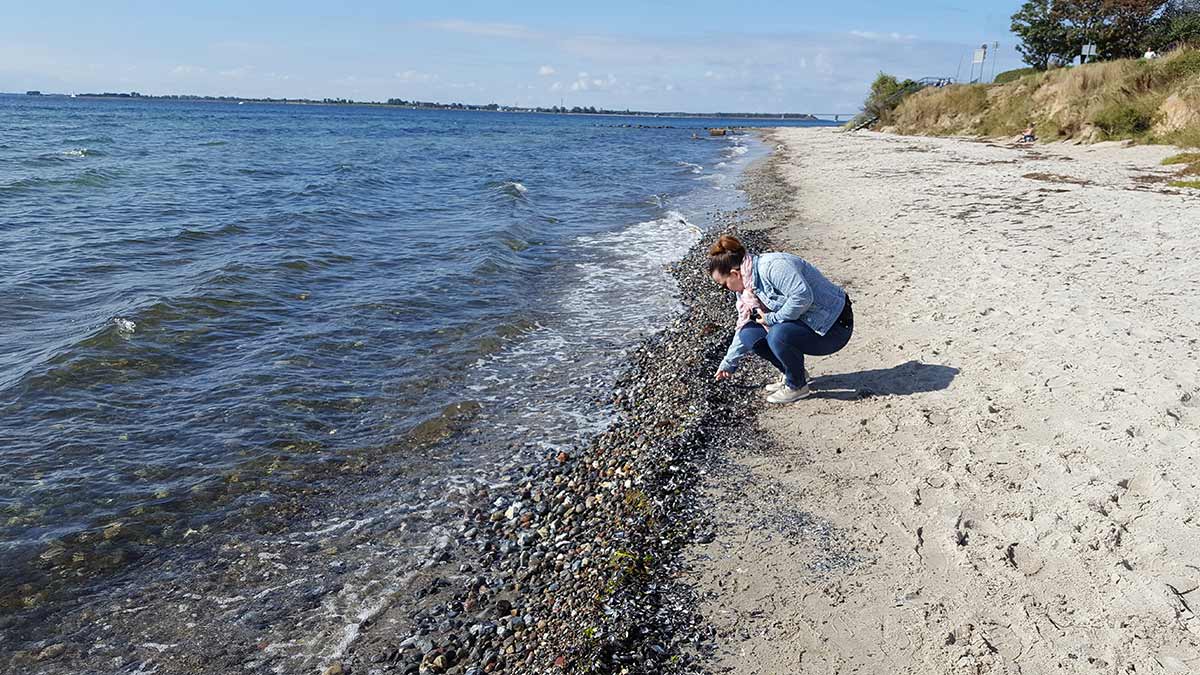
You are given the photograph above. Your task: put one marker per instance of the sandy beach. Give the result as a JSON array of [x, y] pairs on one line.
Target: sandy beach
[[999, 473]]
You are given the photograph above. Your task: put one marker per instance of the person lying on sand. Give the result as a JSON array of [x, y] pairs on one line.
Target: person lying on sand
[[786, 309]]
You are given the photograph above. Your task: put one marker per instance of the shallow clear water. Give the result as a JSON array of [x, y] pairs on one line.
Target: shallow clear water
[[198, 296]]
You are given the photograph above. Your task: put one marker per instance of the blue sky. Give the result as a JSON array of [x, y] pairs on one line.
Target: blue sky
[[752, 56]]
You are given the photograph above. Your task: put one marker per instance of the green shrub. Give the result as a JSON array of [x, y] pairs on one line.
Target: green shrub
[[1183, 65], [1012, 75], [886, 94], [1181, 29], [1194, 184], [1184, 138], [1123, 119], [1182, 158]]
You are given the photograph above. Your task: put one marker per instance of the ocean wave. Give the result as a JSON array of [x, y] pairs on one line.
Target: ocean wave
[[690, 166], [191, 234], [83, 152], [512, 188], [501, 263], [87, 140], [263, 172], [64, 156], [588, 325], [25, 184], [87, 178], [96, 178]]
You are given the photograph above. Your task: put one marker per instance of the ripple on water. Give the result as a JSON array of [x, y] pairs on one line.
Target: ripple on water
[[280, 348]]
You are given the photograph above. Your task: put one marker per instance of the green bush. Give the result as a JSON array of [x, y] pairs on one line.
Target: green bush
[[1182, 158], [886, 94], [1011, 75], [1183, 65], [1185, 138], [1183, 29], [1123, 120]]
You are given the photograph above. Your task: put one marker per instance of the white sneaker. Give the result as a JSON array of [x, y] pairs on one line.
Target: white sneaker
[[776, 385], [780, 383], [788, 395]]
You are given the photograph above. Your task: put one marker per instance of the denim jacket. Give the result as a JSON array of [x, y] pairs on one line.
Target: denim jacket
[[792, 288]]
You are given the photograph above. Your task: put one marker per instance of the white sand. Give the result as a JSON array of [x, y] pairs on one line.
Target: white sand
[[1020, 495]]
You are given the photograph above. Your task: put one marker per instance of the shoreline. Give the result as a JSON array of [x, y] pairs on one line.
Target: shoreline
[[703, 531], [580, 563], [547, 566]]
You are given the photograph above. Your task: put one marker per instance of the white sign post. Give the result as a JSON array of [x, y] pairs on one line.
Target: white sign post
[[1088, 51], [980, 58]]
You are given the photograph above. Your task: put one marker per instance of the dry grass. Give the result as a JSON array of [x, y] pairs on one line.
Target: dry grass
[[1189, 163], [1182, 158], [1102, 101]]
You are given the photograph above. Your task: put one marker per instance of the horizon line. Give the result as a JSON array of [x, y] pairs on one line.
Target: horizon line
[[483, 107]]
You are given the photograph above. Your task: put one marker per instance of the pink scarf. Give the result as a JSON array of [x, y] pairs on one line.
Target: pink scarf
[[747, 300]]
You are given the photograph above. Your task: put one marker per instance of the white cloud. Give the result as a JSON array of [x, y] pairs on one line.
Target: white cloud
[[546, 71], [588, 83], [415, 76], [501, 30], [186, 70], [889, 37], [237, 73]]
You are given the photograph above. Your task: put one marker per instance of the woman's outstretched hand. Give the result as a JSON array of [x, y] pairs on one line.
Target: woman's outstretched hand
[[722, 375]]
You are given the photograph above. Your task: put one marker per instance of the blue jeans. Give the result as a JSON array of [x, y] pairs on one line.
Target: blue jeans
[[786, 344]]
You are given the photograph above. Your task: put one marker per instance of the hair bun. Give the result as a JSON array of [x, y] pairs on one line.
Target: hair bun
[[727, 244]]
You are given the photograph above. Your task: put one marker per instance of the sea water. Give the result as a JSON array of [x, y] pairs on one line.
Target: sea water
[[217, 313]]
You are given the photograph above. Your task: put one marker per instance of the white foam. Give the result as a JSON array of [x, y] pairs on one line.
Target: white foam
[[620, 289]]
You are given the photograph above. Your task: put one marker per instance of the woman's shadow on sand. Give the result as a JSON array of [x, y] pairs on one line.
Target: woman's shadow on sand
[[912, 377]]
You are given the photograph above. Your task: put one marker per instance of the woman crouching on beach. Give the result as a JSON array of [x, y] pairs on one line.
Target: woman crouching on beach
[[786, 309]]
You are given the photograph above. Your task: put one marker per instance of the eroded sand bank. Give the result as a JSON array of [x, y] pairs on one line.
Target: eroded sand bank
[[999, 474]]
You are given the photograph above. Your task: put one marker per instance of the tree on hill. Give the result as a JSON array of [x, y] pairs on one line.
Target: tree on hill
[[1178, 25], [886, 94], [1044, 40], [1056, 30], [1118, 28]]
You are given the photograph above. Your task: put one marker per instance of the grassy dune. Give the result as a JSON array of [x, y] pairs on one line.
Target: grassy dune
[[1148, 101]]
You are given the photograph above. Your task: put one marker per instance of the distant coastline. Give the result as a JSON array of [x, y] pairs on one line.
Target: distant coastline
[[431, 105]]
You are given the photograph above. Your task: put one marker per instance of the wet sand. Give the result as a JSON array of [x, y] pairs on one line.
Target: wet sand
[[999, 473]]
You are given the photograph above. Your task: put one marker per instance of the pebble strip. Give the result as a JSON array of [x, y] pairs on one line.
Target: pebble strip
[[573, 566]]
